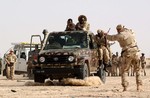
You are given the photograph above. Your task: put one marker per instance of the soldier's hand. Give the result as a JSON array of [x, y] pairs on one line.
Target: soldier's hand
[[105, 33], [8, 62]]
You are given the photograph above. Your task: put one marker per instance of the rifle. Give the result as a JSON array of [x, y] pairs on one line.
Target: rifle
[[106, 38]]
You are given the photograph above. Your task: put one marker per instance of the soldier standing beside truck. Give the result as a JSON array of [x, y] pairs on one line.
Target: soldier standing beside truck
[[10, 59], [103, 52], [130, 50], [32, 61]]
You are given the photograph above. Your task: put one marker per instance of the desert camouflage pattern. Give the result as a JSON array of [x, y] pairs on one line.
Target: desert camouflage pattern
[[104, 52], [130, 55], [11, 58], [114, 71]]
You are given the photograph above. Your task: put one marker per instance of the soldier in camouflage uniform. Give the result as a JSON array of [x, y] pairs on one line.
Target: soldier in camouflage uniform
[[82, 23], [32, 61], [70, 25], [10, 66], [127, 41], [114, 65], [143, 63], [103, 51], [120, 64]]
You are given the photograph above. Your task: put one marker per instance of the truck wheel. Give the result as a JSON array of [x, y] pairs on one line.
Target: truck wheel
[[39, 78], [84, 71], [102, 74]]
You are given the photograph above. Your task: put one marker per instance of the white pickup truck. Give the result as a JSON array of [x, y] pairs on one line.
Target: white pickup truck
[[22, 51]]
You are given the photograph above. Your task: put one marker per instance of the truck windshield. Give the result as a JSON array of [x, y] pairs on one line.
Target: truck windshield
[[66, 40]]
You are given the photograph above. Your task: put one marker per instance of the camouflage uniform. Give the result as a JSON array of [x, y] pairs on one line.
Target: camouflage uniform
[[82, 24], [114, 65], [143, 63], [130, 51], [10, 66], [119, 65], [32, 61], [104, 54]]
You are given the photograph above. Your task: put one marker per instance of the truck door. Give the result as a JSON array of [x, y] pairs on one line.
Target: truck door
[[21, 65]]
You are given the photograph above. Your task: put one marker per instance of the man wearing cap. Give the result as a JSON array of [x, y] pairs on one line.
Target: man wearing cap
[[82, 23], [130, 56], [10, 66]]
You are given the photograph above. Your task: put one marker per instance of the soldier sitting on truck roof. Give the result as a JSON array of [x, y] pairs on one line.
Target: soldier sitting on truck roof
[[82, 24], [70, 25]]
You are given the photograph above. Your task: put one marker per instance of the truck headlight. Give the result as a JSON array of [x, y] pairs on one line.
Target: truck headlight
[[71, 58], [42, 59]]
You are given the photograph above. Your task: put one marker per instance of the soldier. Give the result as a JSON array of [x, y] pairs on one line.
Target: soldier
[[10, 59], [143, 63], [126, 39], [103, 51], [32, 60], [70, 25], [114, 65], [82, 23]]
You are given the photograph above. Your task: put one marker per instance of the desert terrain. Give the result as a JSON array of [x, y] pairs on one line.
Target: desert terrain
[[22, 87]]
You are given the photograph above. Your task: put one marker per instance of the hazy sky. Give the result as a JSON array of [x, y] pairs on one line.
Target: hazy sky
[[19, 19]]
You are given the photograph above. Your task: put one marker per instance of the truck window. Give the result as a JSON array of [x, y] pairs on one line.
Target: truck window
[[23, 55]]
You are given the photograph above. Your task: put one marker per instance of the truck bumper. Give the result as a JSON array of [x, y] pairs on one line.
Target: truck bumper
[[57, 71]]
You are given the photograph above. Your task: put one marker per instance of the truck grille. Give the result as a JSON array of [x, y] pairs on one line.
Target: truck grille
[[57, 59]]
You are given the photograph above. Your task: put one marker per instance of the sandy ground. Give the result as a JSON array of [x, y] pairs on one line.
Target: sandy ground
[[22, 87]]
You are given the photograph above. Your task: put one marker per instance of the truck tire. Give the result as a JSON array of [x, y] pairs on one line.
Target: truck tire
[[84, 71], [39, 78], [101, 73]]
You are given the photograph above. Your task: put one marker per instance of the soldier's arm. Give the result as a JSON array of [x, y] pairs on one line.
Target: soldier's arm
[[15, 58], [7, 60], [113, 37]]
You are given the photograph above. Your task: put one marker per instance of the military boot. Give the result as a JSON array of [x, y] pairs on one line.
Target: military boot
[[125, 85], [105, 67], [139, 88], [100, 62], [124, 89]]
